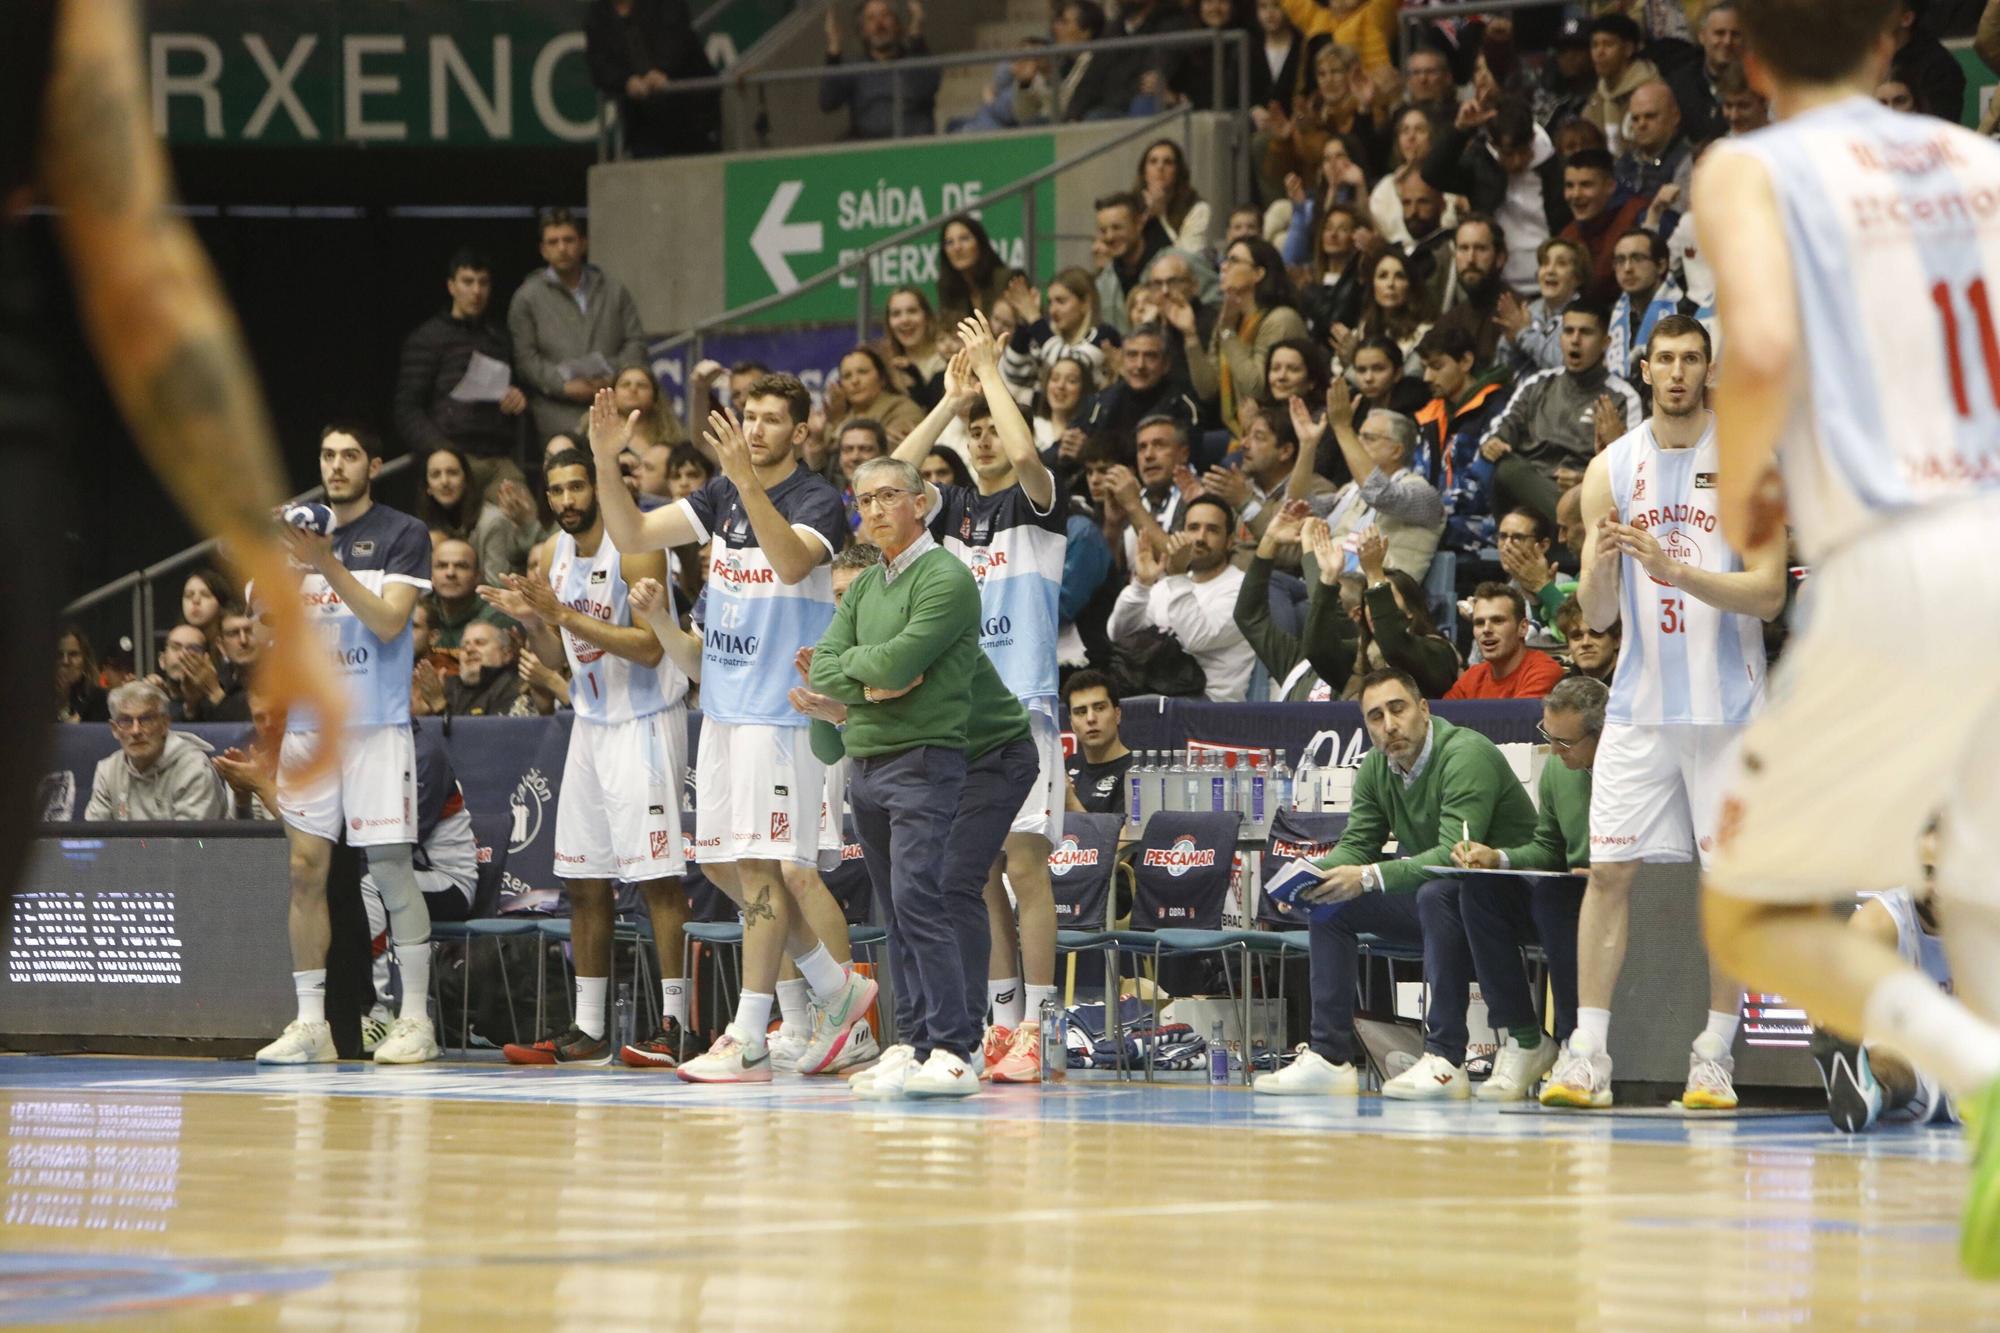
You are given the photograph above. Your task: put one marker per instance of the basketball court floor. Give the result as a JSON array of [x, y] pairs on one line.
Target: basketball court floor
[[203, 1194]]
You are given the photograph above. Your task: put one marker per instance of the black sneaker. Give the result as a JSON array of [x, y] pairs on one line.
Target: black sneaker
[[574, 1047], [1853, 1097], [665, 1049]]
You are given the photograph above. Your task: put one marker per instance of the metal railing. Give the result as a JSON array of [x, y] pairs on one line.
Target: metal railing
[[139, 583], [1410, 18], [1219, 41], [860, 263]]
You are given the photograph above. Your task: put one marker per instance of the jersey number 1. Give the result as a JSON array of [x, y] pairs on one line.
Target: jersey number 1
[[1989, 341]]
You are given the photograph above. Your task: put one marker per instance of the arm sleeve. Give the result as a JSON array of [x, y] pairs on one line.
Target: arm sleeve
[[1330, 637], [1277, 650], [1407, 497], [942, 611], [198, 793], [416, 376], [604, 55], [828, 745], [920, 85], [409, 556], [99, 809], [835, 93], [1297, 247], [1086, 564], [1514, 417], [1198, 628], [1131, 612], [1203, 375], [825, 674], [1367, 825], [530, 366], [1444, 170], [1466, 799], [1549, 850]]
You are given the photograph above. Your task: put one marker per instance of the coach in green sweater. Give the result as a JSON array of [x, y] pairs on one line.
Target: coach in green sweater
[[1501, 915], [1430, 786], [902, 653]]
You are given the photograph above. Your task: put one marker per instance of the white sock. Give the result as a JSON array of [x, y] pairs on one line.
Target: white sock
[[1940, 1035], [311, 988], [1593, 1031], [1004, 998], [414, 962], [826, 977], [753, 1018], [792, 1007], [1723, 1027], [1036, 995], [674, 999], [590, 1004]]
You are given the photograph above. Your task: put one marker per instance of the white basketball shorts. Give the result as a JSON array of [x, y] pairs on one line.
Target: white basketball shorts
[[1042, 811], [619, 813], [1656, 792], [758, 790], [1884, 712], [372, 795]]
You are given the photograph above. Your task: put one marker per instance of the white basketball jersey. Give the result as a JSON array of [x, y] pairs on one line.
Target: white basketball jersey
[[604, 687], [1893, 223], [1681, 661]]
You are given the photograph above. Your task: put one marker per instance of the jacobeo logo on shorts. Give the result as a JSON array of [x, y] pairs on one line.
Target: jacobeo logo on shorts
[[1069, 855], [1180, 858]]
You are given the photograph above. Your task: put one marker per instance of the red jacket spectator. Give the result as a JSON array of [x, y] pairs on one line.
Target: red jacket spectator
[[1532, 677]]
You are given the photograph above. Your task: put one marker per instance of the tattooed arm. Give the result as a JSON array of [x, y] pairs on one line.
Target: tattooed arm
[[165, 338]]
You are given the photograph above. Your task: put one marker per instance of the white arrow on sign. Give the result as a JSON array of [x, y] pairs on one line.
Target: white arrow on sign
[[775, 239]]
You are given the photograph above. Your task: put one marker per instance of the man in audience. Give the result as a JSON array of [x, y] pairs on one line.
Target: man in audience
[[1743, 107], [1508, 171], [1592, 652], [1551, 427], [1523, 541], [860, 440], [572, 326], [1190, 593], [1656, 152], [1097, 770], [1508, 668], [1430, 244], [1090, 86], [1614, 54], [455, 577], [1151, 499], [1449, 429], [1432, 787], [1645, 293], [1144, 69], [1128, 244], [188, 675], [1469, 290], [1599, 216], [1697, 87], [242, 644], [1502, 915], [636, 51], [1428, 85], [870, 98], [1922, 62], [1387, 492], [488, 683], [1174, 289], [158, 773], [439, 355], [1144, 389], [1267, 476]]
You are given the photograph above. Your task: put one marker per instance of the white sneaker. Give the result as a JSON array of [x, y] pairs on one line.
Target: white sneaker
[[884, 1082], [1711, 1085], [1579, 1079], [787, 1049], [374, 1028], [301, 1043], [411, 1041], [1431, 1079], [729, 1060], [1309, 1075], [1516, 1070], [859, 1049], [943, 1075]]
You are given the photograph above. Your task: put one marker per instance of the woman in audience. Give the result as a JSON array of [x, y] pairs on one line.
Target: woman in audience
[[1395, 622], [502, 531], [635, 390], [910, 345], [1316, 663], [1412, 144], [1058, 410], [971, 274], [1333, 296], [1296, 368], [79, 698], [1339, 181], [1330, 110], [1392, 307], [203, 595], [1377, 382], [1070, 330], [1171, 199], [1531, 335], [1259, 311], [862, 389], [942, 467]]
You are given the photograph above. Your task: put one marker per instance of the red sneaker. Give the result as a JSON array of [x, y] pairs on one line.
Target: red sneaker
[[574, 1047]]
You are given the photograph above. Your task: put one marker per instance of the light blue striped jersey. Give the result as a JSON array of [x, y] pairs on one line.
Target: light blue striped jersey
[[1682, 661], [381, 547], [754, 624], [1893, 223], [604, 687], [1016, 556]]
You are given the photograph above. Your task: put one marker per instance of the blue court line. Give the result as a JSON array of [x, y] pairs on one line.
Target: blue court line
[[1091, 1101]]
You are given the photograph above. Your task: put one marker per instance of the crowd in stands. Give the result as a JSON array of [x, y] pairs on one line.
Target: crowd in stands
[[1331, 428]]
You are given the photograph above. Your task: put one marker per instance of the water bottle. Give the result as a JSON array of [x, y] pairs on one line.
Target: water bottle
[[1155, 797], [1221, 781], [1218, 1058], [626, 1036], [1254, 807], [1194, 795], [1173, 785], [1305, 790], [1055, 1044], [1281, 783], [1135, 790], [1234, 775]]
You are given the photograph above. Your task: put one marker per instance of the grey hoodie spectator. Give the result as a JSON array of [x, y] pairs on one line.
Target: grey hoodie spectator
[[158, 773], [565, 315]]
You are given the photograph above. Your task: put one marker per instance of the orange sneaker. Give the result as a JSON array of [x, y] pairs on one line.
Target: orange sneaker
[[1023, 1061], [993, 1050]]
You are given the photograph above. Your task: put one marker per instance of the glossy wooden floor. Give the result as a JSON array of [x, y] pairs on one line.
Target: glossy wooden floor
[[203, 1195]]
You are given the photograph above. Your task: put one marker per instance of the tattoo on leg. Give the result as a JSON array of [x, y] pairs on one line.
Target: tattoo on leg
[[757, 907]]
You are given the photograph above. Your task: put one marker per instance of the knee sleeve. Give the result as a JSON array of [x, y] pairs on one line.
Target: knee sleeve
[[395, 876]]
